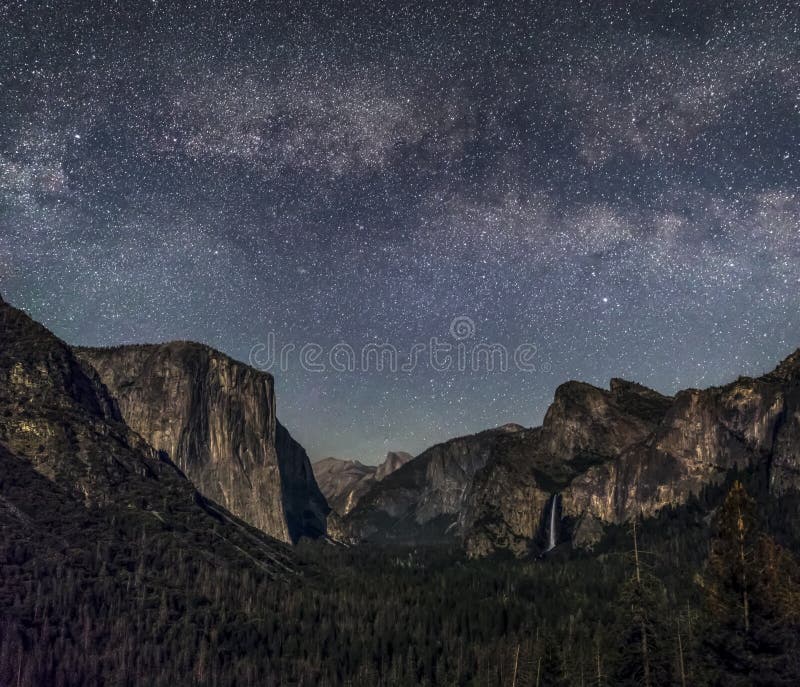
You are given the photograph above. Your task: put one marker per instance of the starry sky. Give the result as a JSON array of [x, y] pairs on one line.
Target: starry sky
[[613, 182]]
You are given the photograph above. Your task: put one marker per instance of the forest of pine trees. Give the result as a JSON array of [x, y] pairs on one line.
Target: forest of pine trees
[[680, 600]]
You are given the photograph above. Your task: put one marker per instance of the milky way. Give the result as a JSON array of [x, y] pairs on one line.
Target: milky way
[[616, 183]]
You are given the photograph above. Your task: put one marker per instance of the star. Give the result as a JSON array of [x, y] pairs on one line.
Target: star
[[616, 190]]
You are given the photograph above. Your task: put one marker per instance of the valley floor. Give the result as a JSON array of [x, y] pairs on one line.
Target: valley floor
[[91, 614]]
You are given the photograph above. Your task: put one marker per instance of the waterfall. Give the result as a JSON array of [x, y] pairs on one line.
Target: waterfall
[[551, 542]]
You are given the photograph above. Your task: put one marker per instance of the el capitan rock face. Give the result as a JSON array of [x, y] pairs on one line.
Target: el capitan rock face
[[215, 418], [344, 482], [65, 448], [304, 504]]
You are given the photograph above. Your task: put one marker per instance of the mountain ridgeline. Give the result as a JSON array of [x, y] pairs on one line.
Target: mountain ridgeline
[[124, 559], [344, 482], [600, 458], [605, 455]]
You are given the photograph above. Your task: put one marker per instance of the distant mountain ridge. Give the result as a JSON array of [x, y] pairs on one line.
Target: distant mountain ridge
[[601, 457], [423, 498], [343, 482], [123, 427]]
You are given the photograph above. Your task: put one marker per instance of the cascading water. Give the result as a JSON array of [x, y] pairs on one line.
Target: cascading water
[[551, 541]]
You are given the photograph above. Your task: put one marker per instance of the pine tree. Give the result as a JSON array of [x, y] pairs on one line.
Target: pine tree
[[752, 602], [643, 656]]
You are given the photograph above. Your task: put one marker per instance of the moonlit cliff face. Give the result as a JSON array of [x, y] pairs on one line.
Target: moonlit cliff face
[[606, 455], [649, 453], [74, 470], [215, 418]]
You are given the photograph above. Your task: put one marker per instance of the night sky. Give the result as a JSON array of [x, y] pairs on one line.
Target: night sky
[[616, 183]]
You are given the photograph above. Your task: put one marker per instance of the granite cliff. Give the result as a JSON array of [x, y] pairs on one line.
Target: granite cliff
[[493, 488], [585, 427], [600, 457], [613, 455], [77, 481], [422, 499], [215, 419]]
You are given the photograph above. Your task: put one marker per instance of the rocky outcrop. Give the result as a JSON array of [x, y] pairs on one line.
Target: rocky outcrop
[[584, 428], [304, 504], [63, 437], [394, 461], [215, 418], [612, 455], [344, 482], [705, 435], [422, 499], [505, 507]]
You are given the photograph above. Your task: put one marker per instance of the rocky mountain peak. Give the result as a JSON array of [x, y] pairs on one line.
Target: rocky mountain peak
[[393, 461], [511, 427], [586, 420], [574, 390], [788, 370], [344, 482], [56, 382], [620, 387]]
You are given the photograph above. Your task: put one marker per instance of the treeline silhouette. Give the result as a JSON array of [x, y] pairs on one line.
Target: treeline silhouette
[[681, 599]]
